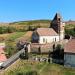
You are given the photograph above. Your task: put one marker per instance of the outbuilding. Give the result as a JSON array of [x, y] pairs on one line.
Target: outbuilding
[[69, 53]]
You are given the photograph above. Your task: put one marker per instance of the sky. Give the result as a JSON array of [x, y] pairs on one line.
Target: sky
[[22, 10]]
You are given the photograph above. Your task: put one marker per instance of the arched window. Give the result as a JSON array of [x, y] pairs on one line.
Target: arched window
[[43, 39], [55, 39]]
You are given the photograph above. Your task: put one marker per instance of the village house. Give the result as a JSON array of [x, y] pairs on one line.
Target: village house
[[3, 57], [48, 35], [69, 53]]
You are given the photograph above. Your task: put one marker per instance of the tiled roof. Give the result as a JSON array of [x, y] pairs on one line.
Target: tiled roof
[[70, 46], [46, 32], [2, 55]]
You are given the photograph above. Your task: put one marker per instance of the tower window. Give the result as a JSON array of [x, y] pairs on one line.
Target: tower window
[[59, 19]]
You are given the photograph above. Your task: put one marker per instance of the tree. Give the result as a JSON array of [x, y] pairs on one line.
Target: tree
[[39, 50], [25, 55], [30, 28], [1, 30], [10, 29], [58, 52], [26, 52], [20, 45], [70, 32]]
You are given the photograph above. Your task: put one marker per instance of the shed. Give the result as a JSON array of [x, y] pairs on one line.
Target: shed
[[69, 53]]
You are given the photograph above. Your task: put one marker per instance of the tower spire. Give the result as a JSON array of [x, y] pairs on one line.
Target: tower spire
[[58, 25]]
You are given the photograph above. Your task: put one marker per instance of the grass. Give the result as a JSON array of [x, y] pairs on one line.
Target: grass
[[70, 26], [42, 68], [16, 35], [11, 36], [10, 42]]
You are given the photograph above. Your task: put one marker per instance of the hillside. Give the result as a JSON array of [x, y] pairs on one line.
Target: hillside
[[25, 67], [30, 22], [30, 25], [35, 23]]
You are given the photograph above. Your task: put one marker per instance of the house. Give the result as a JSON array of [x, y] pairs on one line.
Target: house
[[3, 57], [69, 53], [48, 35]]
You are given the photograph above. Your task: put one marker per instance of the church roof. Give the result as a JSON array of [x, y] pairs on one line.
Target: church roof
[[46, 32]]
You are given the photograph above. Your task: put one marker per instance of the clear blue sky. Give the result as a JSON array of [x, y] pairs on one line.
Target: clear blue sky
[[20, 10]]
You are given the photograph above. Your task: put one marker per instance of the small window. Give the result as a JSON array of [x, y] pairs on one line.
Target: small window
[[59, 19], [55, 39], [46, 40], [43, 39]]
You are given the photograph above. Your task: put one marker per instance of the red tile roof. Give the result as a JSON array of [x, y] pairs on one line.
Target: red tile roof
[[46, 32], [2, 55], [70, 46]]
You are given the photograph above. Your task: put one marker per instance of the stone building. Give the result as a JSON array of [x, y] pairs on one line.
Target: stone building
[[48, 35], [69, 53]]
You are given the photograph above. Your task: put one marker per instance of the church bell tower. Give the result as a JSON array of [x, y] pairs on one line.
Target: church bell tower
[[58, 26]]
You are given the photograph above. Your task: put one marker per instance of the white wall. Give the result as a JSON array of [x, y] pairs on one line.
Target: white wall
[[69, 60], [48, 39], [1, 63], [62, 25], [61, 35]]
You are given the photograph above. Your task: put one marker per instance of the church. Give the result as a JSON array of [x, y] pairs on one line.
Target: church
[[49, 35]]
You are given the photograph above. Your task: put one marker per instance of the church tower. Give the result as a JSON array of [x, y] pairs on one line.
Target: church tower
[[58, 26]]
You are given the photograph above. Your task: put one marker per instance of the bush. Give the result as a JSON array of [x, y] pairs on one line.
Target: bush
[[25, 55], [10, 48], [70, 32], [58, 52], [4, 29]]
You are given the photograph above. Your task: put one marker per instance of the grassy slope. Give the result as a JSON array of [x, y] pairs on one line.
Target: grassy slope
[[33, 23], [11, 36], [42, 68], [16, 35]]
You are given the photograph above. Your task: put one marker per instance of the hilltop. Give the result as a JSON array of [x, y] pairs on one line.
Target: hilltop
[[31, 22]]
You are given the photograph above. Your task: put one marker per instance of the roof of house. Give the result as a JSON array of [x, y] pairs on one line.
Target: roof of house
[[2, 55], [70, 46], [46, 32]]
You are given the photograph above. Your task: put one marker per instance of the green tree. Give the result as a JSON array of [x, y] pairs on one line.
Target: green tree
[[1, 30], [10, 48], [10, 29]]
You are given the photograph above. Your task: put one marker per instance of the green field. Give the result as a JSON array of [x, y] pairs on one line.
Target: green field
[[42, 68], [11, 41], [16, 35]]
